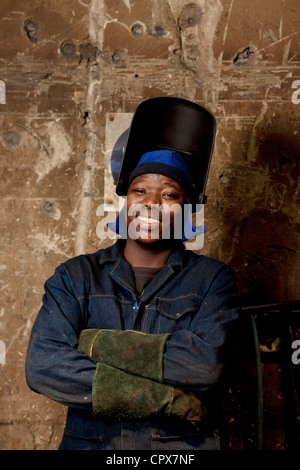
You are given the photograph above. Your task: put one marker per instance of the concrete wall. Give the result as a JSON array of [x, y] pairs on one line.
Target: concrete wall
[[70, 68]]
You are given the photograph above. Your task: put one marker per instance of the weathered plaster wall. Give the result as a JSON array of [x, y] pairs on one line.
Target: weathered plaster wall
[[67, 65]]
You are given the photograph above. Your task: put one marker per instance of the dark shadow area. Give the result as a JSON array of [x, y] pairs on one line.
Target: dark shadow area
[[263, 239]]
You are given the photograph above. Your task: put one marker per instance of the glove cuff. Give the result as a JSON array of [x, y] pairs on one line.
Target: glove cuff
[[131, 351]]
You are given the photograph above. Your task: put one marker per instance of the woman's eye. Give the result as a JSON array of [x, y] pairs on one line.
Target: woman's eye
[[139, 191], [170, 195]]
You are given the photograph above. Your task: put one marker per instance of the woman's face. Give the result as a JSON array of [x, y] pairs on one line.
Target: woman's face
[[154, 208]]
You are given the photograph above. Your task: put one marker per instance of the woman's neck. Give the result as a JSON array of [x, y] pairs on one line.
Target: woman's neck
[[140, 254]]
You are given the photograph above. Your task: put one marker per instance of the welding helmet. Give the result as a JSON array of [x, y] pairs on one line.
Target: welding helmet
[[176, 124]]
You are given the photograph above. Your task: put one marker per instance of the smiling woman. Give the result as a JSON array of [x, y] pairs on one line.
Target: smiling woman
[[136, 336], [154, 207], [157, 212], [158, 188]]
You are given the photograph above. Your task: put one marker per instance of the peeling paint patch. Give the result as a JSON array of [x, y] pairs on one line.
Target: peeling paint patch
[[2, 353], [245, 56], [11, 139], [32, 27], [127, 3], [198, 26], [50, 242], [190, 16], [2, 92], [56, 153], [51, 209]]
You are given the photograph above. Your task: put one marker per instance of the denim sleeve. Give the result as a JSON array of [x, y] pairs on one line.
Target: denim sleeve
[[195, 358], [53, 366]]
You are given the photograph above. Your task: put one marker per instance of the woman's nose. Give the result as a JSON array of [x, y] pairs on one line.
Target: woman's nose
[[151, 199]]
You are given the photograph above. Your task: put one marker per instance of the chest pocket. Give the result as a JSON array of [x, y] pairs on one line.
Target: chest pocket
[[178, 307]]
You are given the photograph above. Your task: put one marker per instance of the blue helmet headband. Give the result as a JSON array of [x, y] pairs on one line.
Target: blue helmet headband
[[164, 162], [168, 163]]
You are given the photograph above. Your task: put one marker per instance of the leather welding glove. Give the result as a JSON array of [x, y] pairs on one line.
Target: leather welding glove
[[131, 351], [118, 395]]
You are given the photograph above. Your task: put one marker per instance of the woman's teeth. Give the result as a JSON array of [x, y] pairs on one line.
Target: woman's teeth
[[148, 220]]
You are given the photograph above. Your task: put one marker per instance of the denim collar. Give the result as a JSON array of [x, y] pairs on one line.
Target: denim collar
[[113, 252], [122, 273]]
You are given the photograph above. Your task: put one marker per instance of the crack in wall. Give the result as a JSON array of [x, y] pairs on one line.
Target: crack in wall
[[96, 33]]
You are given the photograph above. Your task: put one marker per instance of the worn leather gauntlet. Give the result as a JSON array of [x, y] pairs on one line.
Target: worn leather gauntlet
[[128, 383], [118, 395], [131, 351]]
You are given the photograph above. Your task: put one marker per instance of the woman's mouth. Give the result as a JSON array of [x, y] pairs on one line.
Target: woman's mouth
[[147, 221]]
